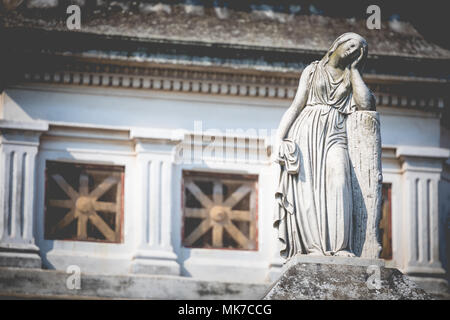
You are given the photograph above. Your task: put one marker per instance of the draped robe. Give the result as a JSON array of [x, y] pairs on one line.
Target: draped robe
[[314, 194]]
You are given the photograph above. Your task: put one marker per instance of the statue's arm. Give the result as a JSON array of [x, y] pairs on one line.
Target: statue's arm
[[363, 97], [297, 105]]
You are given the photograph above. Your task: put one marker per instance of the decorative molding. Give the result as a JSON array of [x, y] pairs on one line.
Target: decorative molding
[[178, 81], [232, 83], [389, 91]]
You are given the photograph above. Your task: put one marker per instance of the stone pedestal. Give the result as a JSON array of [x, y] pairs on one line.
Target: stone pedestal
[[337, 278], [19, 142]]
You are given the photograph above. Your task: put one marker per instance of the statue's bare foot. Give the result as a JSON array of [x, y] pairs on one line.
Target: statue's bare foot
[[344, 253]]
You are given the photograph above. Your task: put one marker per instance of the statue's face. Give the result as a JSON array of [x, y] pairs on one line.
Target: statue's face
[[349, 50]]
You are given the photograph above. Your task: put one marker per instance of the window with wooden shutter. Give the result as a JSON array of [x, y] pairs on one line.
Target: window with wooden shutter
[[220, 211], [386, 222], [83, 202]]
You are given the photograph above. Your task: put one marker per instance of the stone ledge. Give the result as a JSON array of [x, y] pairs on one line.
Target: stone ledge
[[51, 284], [333, 260], [38, 126]]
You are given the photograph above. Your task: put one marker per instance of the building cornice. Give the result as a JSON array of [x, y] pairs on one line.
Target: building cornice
[[426, 95]]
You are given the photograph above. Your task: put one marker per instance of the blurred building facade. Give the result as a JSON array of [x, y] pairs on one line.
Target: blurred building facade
[[138, 147]]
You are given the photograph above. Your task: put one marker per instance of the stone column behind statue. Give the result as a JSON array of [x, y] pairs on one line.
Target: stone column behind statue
[[364, 148]]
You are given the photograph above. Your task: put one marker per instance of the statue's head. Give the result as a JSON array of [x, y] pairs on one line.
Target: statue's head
[[347, 48]]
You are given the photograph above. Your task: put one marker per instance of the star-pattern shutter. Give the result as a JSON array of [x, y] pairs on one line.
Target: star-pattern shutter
[[84, 202], [220, 211]]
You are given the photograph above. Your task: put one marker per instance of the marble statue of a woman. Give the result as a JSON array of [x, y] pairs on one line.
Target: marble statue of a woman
[[314, 194]]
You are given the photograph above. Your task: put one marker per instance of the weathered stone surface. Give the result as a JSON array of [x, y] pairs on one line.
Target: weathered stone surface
[[364, 148], [38, 283], [338, 278], [20, 259]]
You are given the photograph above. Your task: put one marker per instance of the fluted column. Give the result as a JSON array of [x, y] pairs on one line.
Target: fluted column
[[155, 157], [422, 168], [19, 144]]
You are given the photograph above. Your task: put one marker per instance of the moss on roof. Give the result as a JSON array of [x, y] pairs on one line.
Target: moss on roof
[[209, 25]]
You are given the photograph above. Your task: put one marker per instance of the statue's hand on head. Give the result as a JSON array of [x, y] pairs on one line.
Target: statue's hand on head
[[357, 64]]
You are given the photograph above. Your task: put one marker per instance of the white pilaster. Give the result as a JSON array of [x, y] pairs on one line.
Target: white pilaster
[[155, 157], [422, 168], [19, 142]]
